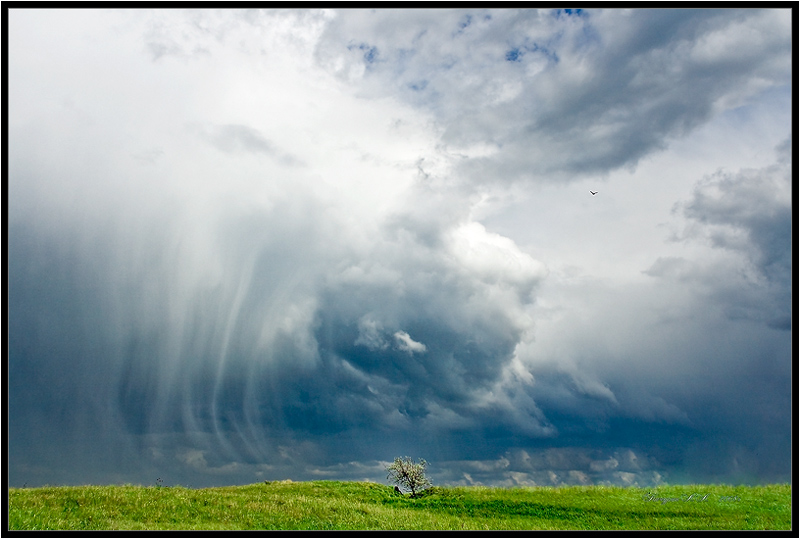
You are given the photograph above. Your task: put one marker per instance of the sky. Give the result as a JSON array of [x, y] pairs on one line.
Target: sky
[[296, 244]]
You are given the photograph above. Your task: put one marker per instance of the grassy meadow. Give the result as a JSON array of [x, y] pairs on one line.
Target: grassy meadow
[[333, 505]]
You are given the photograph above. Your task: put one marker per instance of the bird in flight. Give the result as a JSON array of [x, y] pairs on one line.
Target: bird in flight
[[592, 192]]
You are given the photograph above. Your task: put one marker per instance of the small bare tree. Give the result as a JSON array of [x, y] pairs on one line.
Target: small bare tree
[[407, 474]]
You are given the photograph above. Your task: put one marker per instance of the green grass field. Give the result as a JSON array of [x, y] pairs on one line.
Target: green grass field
[[332, 505]]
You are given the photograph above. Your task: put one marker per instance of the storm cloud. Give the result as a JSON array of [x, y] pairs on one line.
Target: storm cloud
[[249, 245]]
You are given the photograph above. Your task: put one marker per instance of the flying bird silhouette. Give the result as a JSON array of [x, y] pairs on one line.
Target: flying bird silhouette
[[592, 192]]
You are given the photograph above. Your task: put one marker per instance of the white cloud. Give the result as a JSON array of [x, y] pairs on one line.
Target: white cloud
[[495, 259], [405, 343]]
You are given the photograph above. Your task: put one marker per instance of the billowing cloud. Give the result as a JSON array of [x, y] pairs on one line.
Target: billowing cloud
[[254, 245]]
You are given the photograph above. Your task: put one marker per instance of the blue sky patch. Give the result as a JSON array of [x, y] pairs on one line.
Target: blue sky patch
[[419, 85], [569, 12], [514, 55], [370, 52]]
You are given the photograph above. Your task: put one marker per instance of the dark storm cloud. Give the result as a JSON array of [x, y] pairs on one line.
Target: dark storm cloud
[[461, 345], [401, 340], [186, 303]]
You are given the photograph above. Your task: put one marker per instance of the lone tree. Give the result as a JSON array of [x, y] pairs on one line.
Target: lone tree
[[407, 474]]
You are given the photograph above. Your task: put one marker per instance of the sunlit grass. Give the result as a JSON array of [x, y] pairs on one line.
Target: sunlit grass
[[331, 505]]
